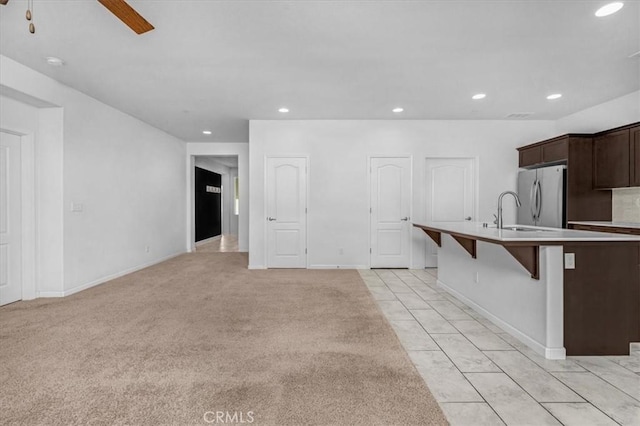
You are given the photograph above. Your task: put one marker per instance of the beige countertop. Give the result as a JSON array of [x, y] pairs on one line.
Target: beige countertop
[[532, 233]]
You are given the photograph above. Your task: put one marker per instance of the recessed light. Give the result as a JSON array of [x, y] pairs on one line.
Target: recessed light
[[479, 96], [609, 9], [283, 110], [398, 109], [206, 132], [554, 96], [54, 62]]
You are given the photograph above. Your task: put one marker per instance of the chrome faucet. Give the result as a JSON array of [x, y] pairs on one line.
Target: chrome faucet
[[500, 205]]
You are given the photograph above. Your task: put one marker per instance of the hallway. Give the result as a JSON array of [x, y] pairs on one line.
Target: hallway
[[227, 243]]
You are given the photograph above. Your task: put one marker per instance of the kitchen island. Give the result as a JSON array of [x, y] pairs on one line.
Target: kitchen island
[[560, 291]]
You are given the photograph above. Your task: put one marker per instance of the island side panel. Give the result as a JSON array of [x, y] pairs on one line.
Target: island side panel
[[602, 298], [552, 257], [506, 293]]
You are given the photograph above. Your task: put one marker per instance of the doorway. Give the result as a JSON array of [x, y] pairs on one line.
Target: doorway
[[208, 204], [286, 207], [219, 188], [390, 207], [450, 195], [10, 219]]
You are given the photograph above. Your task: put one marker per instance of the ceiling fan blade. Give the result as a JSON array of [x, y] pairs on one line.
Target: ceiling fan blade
[[128, 15]]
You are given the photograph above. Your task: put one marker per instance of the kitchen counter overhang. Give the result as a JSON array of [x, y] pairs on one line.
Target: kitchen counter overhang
[[523, 245], [590, 310], [533, 234]]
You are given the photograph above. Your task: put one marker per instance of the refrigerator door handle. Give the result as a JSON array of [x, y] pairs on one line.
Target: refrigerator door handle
[[538, 199], [532, 204]]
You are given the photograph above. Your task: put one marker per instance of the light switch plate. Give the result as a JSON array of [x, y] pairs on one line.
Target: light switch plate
[[569, 261]]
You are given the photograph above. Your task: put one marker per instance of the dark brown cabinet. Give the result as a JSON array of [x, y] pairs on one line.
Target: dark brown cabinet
[[601, 313], [604, 272], [611, 164], [551, 151], [635, 150], [557, 150], [576, 151], [616, 158], [530, 156]]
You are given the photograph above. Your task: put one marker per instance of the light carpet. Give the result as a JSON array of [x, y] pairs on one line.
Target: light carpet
[[201, 336]]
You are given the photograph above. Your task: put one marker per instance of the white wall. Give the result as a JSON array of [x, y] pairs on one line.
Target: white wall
[[241, 150], [617, 112], [210, 163], [129, 177], [44, 127], [338, 177]]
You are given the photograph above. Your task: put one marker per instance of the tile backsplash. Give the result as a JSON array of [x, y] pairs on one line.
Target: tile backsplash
[[626, 205]]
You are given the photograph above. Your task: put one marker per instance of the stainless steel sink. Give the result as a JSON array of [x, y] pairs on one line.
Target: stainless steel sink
[[519, 228]]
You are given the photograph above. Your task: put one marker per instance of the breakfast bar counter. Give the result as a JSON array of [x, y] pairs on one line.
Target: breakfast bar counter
[[560, 291]]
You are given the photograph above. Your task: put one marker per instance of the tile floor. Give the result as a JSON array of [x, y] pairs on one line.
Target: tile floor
[[482, 376], [225, 244]]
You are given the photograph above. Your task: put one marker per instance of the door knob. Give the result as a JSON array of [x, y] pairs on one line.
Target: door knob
[[467, 218], [404, 219], [271, 219]]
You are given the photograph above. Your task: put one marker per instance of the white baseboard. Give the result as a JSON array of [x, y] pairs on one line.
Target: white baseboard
[[548, 353], [319, 267], [208, 240], [338, 267], [555, 353], [110, 277], [257, 267], [50, 294]]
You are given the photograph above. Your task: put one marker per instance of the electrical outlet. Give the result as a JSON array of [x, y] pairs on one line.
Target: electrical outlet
[[569, 261], [146, 249]]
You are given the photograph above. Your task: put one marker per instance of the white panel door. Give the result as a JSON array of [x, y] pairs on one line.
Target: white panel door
[[10, 219], [286, 212], [390, 207], [450, 197]]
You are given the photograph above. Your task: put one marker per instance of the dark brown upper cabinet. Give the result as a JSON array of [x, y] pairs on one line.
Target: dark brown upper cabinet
[[530, 156], [616, 160], [551, 151], [557, 150], [576, 151], [635, 147]]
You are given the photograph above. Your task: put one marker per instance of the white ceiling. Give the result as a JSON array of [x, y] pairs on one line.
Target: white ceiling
[[216, 64]]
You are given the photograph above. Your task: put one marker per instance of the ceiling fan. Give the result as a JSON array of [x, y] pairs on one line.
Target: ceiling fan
[[122, 10], [128, 15]]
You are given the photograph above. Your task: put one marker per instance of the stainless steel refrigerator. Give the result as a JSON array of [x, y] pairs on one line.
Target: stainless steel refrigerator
[[542, 193]]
